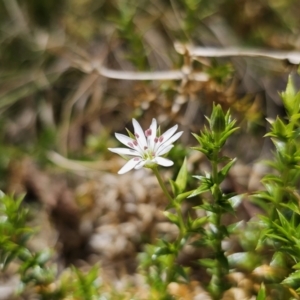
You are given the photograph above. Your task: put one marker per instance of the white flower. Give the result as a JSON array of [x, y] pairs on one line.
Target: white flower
[[146, 148]]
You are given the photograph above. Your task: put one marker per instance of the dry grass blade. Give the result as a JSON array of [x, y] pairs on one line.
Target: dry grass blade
[[128, 75], [76, 165], [84, 90], [87, 65], [158, 75], [292, 56]]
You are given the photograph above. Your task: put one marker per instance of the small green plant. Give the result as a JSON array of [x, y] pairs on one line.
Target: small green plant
[[281, 195], [147, 149], [211, 141], [36, 270], [14, 235]]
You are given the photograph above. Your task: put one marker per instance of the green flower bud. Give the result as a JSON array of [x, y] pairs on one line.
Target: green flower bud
[[217, 121]]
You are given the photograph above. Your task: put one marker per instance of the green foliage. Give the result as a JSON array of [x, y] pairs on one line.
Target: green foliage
[[220, 72], [13, 230], [36, 269], [261, 293], [193, 12], [192, 228], [211, 141], [165, 254], [153, 262], [14, 235], [214, 138], [281, 224], [178, 186], [86, 286], [124, 21]]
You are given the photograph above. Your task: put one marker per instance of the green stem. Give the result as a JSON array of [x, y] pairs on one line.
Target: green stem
[[177, 206], [181, 226], [181, 223], [217, 280], [280, 193], [177, 244], [214, 164], [161, 183]]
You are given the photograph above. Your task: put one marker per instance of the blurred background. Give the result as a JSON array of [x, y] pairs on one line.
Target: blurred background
[[73, 72]]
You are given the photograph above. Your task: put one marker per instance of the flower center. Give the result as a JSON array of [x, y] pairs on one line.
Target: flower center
[[148, 154]]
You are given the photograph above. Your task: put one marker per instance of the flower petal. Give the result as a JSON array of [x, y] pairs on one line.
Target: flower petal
[[163, 150], [173, 138], [124, 151], [129, 142], [124, 139], [151, 138], [153, 127], [141, 139], [140, 165], [129, 165], [164, 161], [169, 141], [166, 135]]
